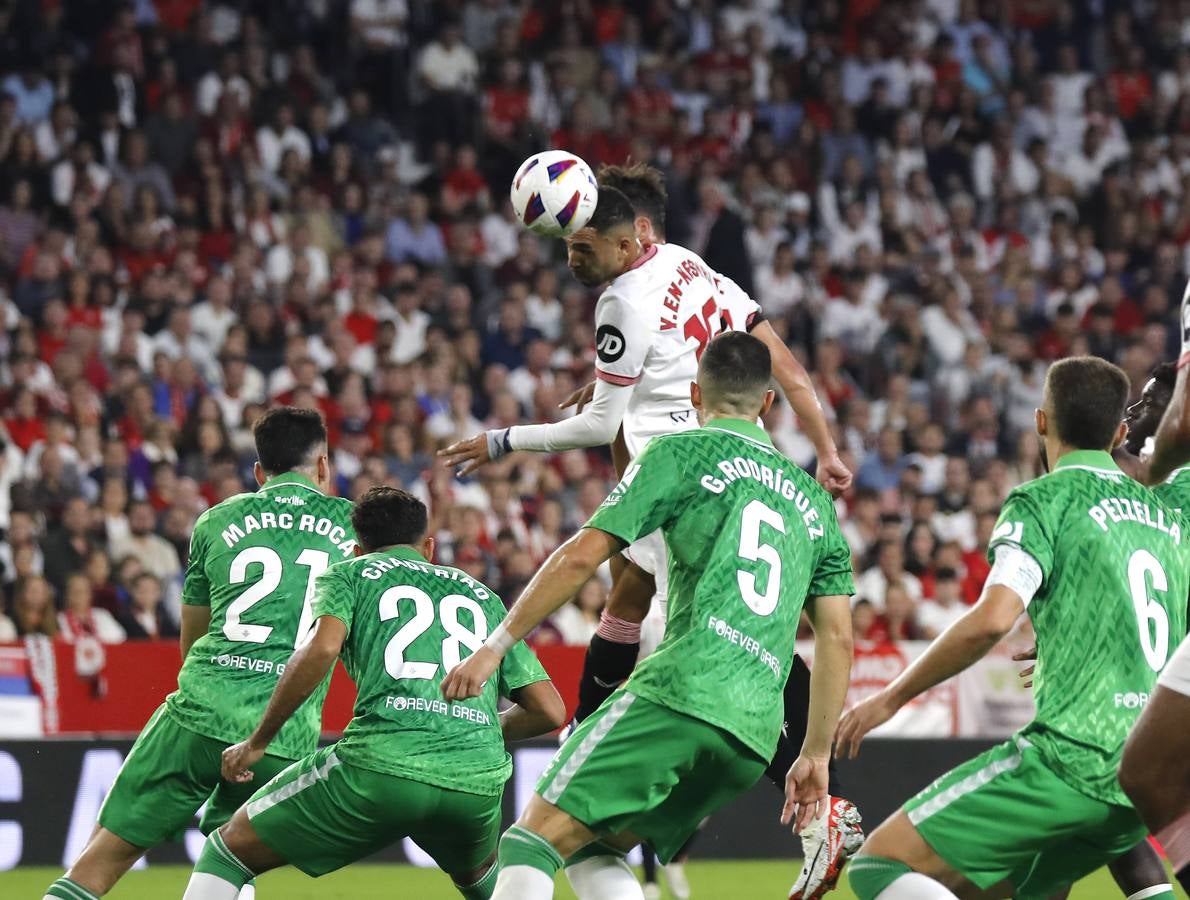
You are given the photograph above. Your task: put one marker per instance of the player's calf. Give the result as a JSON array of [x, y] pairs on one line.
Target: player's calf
[[897, 864], [232, 857], [102, 863]]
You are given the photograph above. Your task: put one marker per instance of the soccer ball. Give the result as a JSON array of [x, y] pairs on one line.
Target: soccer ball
[[554, 193]]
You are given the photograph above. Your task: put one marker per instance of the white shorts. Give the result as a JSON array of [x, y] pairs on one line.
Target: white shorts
[[642, 427], [651, 554], [1176, 674]]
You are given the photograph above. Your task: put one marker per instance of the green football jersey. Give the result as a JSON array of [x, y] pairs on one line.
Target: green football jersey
[[750, 537], [1175, 490], [1110, 610], [253, 561], [409, 623]]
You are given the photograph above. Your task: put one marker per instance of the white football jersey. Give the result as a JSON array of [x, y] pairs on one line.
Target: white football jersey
[[652, 325]]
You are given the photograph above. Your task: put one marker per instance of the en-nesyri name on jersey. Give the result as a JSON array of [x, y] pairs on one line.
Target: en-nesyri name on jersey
[[652, 324], [253, 560]]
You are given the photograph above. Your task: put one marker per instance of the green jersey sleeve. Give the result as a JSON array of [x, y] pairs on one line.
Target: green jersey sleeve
[[834, 574], [1023, 524], [520, 667], [333, 596], [649, 496], [196, 590]]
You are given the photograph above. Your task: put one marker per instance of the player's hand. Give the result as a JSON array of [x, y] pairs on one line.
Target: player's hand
[[1026, 656], [859, 720], [470, 454], [468, 677], [579, 398], [238, 761], [833, 475], [805, 791]]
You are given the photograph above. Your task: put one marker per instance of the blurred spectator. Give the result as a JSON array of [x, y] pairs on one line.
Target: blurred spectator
[[81, 618], [946, 606], [33, 607], [577, 621], [146, 618]]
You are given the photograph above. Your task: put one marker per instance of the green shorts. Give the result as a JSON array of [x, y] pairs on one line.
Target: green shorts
[[1006, 816], [321, 814], [167, 775], [636, 766]]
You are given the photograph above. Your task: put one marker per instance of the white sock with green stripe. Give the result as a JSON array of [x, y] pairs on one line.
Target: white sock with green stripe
[[218, 874], [65, 889], [528, 864]]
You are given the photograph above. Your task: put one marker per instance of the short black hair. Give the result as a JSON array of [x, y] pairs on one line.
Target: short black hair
[[643, 185], [1086, 396], [1165, 374], [387, 516], [735, 369], [612, 210], [286, 436]]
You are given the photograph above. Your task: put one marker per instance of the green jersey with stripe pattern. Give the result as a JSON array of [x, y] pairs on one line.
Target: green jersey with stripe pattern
[[409, 623], [750, 537], [1110, 610], [253, 561]]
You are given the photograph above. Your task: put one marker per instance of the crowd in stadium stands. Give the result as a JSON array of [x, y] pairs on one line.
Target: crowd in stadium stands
[[210, 207]]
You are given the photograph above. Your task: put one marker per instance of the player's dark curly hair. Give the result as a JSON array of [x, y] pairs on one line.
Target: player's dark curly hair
[[387, 516], [1086, 396], [287, 437], [612, 210], [643, 185], [1165, 374]]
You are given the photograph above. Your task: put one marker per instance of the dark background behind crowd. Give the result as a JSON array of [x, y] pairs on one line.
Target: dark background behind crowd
[[210, 207]]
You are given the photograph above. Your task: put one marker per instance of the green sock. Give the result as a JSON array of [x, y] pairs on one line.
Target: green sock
[[482, 889], [217, 860], [521, 847], [69, 890], [869, 875]]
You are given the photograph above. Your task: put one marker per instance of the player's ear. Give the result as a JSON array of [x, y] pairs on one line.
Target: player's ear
[[1041, 420], [644, 229], [695, 395], [428, 546], [357, 550], [258, 473], [769, 396], [1121, 433]]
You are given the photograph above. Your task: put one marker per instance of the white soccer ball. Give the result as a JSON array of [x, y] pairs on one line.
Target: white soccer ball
[[554, 193]]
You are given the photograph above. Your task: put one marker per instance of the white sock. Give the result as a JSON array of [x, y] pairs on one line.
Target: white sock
[[205, 886], [247, 892], [522, 883], [915, 886], [606, 877]]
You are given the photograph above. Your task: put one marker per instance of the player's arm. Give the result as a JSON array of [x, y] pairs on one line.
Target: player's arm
[[539, 709], [195, 622], [960, 646], [305, 670], [798, 389], [568, 569], [649, 496], [1171, 447], [622, 345], [196, 590]]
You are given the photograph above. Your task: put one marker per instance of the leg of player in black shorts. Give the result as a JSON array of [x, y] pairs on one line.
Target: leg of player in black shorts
[[611, 656]]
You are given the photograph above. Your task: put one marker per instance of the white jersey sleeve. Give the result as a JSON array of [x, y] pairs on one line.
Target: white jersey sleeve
[[595, 426], [622, 341], [740, 311]]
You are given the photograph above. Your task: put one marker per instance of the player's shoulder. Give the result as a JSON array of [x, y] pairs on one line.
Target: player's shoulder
[[229, 506]]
